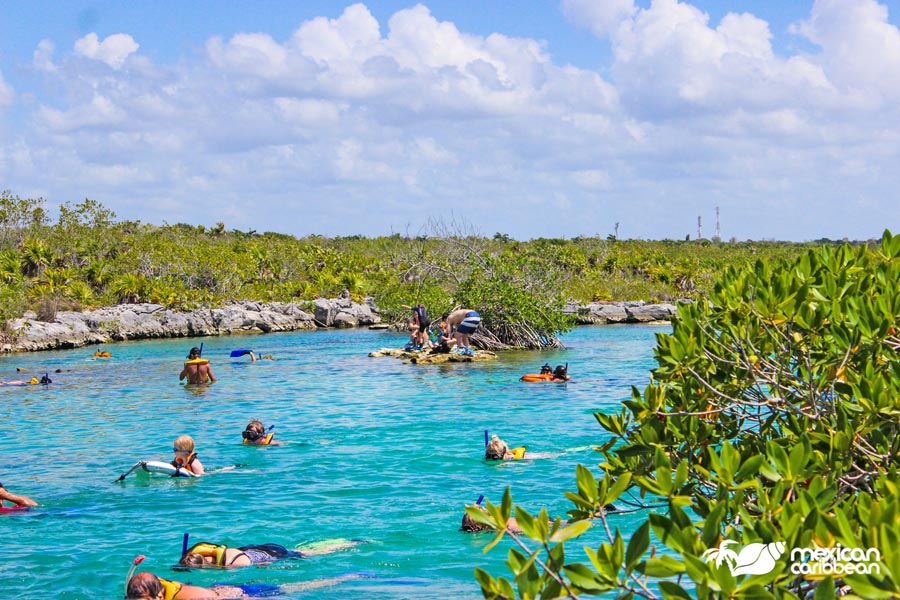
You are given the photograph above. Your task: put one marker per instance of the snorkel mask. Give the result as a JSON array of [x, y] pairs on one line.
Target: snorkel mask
[[251, 436]]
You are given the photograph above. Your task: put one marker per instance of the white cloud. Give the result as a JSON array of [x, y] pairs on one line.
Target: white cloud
[[113, 51], [7, 95], [860, 48], [348, 40], [100, 112], [349, 126], [601, 18], [42, 59]]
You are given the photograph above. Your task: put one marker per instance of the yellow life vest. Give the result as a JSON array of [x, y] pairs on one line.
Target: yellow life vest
[[266, 440], [196, 361], [518, 453], [171, 587], [212, 550]]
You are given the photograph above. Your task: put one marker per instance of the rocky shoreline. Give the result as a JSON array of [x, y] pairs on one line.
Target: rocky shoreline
[[603, 313], [147, 321]]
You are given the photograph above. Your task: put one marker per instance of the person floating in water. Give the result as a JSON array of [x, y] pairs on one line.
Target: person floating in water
[[251, 354], [185, 457], [470, 525], [255, 435], [211, 555], [559, 374], [44, 380], [497, 449], [147, 586], [196, 369]]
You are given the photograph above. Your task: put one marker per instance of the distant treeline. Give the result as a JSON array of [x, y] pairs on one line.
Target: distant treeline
[[87, 259]]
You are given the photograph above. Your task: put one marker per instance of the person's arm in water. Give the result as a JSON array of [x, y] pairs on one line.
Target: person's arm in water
[[183, 374], [15, 498], [197, 467], [252, 356], [209, 373]]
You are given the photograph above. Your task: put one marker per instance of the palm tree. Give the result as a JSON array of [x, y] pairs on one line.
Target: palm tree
[[38, 257], [10, 266], [129, 288]]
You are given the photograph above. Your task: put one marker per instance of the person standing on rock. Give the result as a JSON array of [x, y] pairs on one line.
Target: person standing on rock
[[464, 322], [196, 369]]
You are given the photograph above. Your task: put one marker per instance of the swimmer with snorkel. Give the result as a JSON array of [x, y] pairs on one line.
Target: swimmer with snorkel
[[196, 369], [206, 555], [45, 380], [256, 434], [147, 586]]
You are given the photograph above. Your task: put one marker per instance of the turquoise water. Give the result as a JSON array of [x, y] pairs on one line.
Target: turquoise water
[[375, 450]]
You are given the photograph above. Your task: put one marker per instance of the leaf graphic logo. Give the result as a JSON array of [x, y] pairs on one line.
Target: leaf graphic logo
[[753, 559]]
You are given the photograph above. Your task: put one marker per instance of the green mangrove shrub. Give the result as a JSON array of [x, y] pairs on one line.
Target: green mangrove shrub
[[764, 452]]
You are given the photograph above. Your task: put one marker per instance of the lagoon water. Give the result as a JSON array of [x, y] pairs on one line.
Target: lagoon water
[[375, 450]]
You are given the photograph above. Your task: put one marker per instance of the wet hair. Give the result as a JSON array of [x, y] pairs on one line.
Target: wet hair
[[194, 353], [471, 525], [192, 559], [144, 586], [184, 442], [546, 369], [496, 449], [560, 372]]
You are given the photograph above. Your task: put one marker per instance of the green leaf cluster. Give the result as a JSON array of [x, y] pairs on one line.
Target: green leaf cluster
[[772, 417]]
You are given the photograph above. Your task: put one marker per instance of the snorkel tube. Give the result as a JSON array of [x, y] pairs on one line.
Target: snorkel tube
[[138, 560], [485, 438], [184, 544], [480, 498]]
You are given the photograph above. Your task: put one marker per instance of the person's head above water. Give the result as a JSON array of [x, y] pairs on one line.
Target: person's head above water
[[144, 586], [496, 449], [471, 525], [546, 369], [254, 430], [561, 372], [184, 444], [194, 353], [194, 560]]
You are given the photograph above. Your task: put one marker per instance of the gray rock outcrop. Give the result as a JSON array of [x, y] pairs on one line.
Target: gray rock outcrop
[[601, 313], [143, 321]]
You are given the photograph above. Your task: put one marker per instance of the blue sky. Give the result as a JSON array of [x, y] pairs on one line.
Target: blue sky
[[552, 119]]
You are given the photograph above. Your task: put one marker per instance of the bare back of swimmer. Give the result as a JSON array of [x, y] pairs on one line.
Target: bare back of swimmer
[[196, 370]]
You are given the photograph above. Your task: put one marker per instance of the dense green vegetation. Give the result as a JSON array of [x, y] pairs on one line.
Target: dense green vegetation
[[772, 418], [86, 258]]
